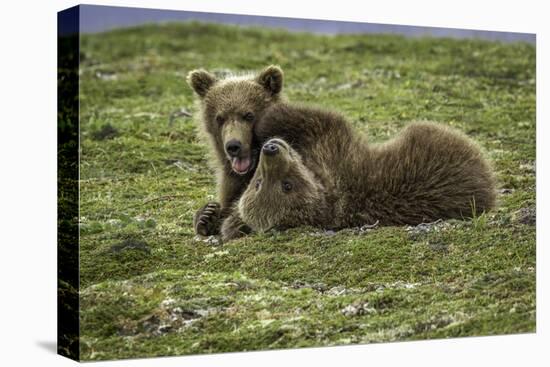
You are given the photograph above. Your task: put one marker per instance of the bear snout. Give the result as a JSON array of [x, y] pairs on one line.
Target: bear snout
[[270, 149], [233, 148]]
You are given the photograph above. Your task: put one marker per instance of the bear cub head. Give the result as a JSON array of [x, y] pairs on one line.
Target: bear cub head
[[231, 106], [283, 192]]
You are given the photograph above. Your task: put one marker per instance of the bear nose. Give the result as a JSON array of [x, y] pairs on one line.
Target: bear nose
[[270, 149], [233, 148]]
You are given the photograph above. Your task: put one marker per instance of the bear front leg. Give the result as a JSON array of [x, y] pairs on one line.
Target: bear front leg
[[208, 219], [233, 227]]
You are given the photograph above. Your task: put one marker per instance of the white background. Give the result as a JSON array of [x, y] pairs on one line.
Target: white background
[[28, 181]]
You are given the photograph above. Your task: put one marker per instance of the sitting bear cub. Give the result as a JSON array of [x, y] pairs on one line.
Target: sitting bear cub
[[315, 170], [229, 109]]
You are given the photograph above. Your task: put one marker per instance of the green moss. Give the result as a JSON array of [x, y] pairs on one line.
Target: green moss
[[142, 181]]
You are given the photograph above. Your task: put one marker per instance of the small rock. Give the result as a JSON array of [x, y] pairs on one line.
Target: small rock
[[369, 227], [319, 287], [417, 231], [403, 285], [202, 313], [210, 240], [337, 291], [358, 309], [350, 310], [106, 75], [526, 216], [168, 302]]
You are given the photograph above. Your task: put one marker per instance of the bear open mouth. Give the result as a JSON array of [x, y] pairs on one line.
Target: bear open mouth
[[241, 165]]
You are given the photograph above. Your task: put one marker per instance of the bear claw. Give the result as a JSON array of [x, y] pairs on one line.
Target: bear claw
[[207, 220]]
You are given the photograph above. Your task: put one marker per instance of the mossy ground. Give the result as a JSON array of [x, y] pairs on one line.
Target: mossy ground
[[149, 287]]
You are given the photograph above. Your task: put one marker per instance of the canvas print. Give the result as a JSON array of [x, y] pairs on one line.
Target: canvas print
[[234, 183]]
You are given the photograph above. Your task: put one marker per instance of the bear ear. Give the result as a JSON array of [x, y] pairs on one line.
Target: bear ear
[[271, 78], [201, 81]]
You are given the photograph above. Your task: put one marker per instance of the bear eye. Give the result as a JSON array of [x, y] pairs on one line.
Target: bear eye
[[249, 116], [220, 119], [287, 186], [258, 183]]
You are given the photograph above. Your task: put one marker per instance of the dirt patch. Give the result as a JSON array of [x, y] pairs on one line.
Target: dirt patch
[[106, 132], [130, 244]]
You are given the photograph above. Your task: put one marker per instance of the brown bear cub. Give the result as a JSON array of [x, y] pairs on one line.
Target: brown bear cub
[[319, 172], [230, 108]]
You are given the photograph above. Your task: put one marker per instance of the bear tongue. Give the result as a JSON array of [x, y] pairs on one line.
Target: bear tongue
[[241, 165]]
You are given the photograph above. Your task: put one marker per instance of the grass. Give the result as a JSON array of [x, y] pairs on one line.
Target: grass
[[149, 287]]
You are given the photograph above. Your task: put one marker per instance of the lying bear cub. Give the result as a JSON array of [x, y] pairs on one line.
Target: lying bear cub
[[314, 169]]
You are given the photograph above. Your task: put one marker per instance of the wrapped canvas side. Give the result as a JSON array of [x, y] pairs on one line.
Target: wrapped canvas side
[[67, 183]]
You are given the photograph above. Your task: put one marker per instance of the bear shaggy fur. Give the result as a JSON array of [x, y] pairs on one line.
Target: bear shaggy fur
[[319, 172], [230, 107]]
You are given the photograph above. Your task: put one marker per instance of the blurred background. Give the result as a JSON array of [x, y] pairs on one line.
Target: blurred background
[[95, 19]]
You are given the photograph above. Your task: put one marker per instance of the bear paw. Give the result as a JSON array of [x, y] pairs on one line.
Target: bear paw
[[233, 227], [207, 220]]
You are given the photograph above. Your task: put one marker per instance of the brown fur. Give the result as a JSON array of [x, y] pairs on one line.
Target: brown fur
[[229, 110], [427, 172]]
